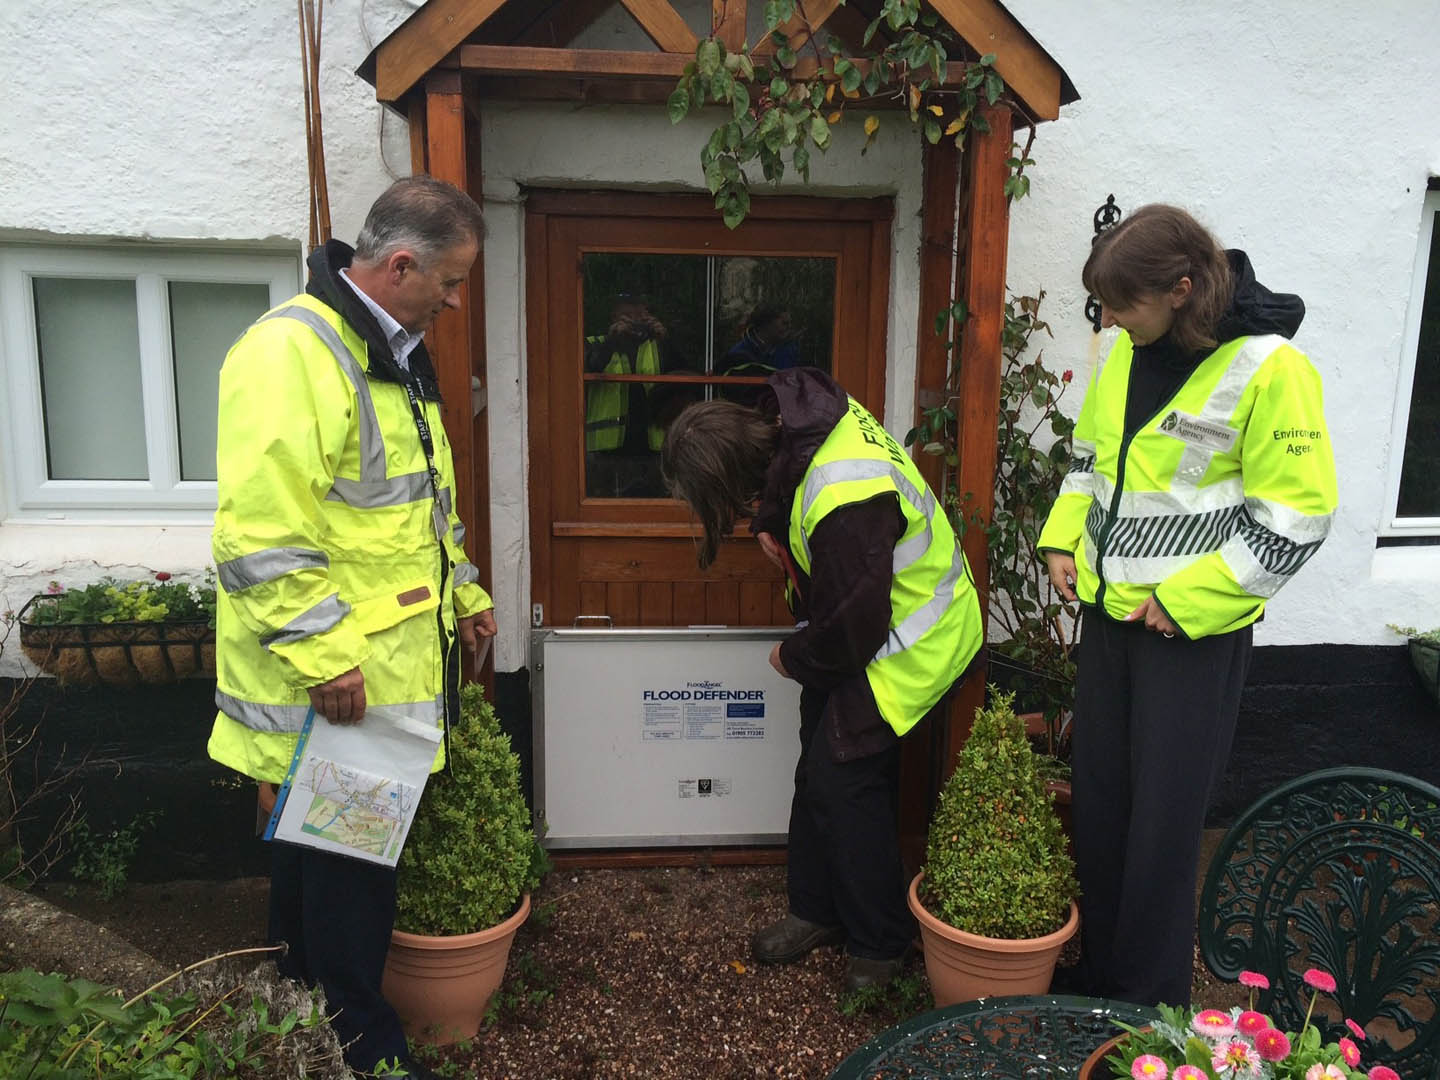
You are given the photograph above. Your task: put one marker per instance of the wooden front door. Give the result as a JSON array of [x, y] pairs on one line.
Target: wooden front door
[[638, 304]]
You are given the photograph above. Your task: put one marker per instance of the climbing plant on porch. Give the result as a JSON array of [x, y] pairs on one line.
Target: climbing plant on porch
[[786, 92]]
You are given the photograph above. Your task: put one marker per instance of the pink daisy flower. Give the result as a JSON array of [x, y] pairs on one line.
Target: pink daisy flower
[[1213, 1024], [1235, 1057], [1355, 1029], [1324, 1072], [1149, 1067], [1272, 1044], [1187, 1072], [1320, 980], [1251, 1021], [1383, 1072], [1254, 980], [1349, 1051]]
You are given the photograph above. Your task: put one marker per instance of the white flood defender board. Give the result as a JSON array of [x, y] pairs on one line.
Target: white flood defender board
[[666, 737]]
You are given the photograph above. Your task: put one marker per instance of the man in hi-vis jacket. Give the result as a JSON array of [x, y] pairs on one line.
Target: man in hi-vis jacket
[[341, 561]]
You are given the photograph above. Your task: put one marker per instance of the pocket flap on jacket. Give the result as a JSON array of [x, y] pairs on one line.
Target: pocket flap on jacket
[[394, 606]]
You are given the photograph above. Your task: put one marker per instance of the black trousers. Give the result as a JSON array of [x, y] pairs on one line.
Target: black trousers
[[1154, 719], [844, 863], [336, 913]]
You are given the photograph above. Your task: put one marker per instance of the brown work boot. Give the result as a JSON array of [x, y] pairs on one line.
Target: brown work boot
[[861, 971], [792, 937]]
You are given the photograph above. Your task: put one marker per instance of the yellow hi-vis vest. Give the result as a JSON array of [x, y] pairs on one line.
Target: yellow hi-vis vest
[[328, 541], [934, 612], [607, 404], [1214, 503]]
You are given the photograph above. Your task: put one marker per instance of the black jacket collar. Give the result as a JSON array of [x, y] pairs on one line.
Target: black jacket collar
[[332, 290]]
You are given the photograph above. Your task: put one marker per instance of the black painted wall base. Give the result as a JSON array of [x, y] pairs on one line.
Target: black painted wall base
[[1305, 708]]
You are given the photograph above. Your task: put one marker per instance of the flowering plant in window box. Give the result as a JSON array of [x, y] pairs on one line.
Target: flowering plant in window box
[[1235, 1044], [122, 632]]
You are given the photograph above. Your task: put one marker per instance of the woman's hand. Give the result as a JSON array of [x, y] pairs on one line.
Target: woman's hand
[[776, 662], [1154, 617], [1061, 568], [771, 547]]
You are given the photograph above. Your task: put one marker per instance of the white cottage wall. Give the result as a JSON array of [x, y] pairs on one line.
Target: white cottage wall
[[1306, 137], [1304, 134]]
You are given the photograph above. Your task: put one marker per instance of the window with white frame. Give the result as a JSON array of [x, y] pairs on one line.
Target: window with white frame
[[111, 361], [1415, 479]]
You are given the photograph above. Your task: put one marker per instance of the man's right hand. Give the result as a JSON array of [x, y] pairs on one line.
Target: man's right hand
[[1061, 568], [342, 699]]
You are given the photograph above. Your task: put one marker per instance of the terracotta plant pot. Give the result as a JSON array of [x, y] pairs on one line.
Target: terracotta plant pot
[[1094, 1066], [964, 966], [441, 986]]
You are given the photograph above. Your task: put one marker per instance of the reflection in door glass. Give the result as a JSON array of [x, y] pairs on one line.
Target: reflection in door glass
[[682, 318]]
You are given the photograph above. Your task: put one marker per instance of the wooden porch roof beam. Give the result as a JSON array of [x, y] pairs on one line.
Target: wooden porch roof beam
[[1026, 68], [519, 60], [663, 24], [403, 58]]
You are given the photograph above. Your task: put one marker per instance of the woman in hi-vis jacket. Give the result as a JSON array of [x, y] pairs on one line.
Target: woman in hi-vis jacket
[[1202, 481]]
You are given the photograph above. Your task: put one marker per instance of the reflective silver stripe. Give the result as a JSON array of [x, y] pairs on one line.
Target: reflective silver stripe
[[444, 494], [909, 552], [372, 445], [1227, 492], [323, 616], [1081, 447], [368, 494], [1286, 521], [847, 470], [1078, 483], [1220, 405], [458, 535], [466, 573], [921, 621], [290, 719], [259, 716], [261, 566]]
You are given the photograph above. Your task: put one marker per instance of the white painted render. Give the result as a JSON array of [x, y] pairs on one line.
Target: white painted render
[[1306, 137]]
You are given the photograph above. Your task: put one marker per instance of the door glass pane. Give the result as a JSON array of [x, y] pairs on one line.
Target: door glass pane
[[685, 316], [1420, 474], [771, 313], [89, 342], [205, 319], [643, 315]]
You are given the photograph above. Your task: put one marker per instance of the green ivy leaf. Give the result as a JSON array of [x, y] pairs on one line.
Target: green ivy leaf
[[740, 101], [994, 87], [980, 124], [932, 130], [820, 131], [778, 87], [785, 57], [988, 59], [801, 160], [678, 105], [709, 57], [851, 79]]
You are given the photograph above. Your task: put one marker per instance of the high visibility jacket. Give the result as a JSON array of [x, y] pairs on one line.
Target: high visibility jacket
[[331, 551], [1214, 503], [607, 404], [934, 612]]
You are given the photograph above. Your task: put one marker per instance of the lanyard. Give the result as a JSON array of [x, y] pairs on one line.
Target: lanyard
[[442, 525], [427, 445]]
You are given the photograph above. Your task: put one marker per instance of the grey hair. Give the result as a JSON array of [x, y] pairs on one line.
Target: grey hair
[[419, 214]]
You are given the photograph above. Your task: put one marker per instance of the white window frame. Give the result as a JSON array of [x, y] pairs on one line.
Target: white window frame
[[1397, 525], [164, 497]]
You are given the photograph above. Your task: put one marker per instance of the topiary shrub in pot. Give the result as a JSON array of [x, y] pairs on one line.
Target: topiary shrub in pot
[[464, 880], [996, 898]]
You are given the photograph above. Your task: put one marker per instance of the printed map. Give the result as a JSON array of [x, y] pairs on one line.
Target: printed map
[[355, 808]]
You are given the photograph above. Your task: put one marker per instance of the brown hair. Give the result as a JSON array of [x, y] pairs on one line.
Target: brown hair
[[715, 457], [1148, 253]]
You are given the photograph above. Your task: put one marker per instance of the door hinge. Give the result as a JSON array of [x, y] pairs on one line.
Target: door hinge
[[537, 615]]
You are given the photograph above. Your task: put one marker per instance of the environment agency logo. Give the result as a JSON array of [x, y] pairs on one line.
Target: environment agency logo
[[1171, 422]]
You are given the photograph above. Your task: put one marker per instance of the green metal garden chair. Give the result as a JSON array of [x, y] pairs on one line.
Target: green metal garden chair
[[1338, 870]]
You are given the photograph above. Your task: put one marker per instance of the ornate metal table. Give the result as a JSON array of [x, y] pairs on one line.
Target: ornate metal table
[[1033, 1037]]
